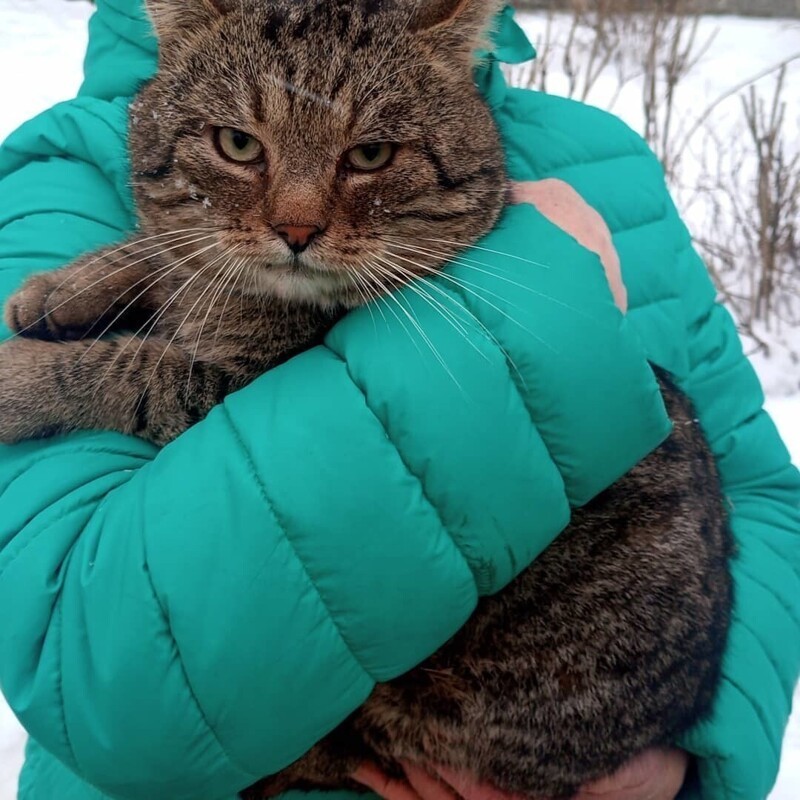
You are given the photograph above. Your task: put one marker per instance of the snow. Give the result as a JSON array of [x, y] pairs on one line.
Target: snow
[[43, 42], [12, 741], [738, 50], [34, 36]]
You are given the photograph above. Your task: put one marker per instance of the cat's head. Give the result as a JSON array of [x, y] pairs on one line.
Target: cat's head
[[336, 145]]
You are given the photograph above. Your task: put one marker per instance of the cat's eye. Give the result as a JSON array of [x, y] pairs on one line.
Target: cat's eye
[[370, 157], [238, 146]]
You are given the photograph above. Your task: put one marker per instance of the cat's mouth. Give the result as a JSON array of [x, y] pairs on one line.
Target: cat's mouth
[[303, 277], [326, 277], [300, 263]]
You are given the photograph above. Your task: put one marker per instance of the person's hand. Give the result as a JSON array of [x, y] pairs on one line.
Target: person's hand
[[437, 783], [564, 207], [657, 774]]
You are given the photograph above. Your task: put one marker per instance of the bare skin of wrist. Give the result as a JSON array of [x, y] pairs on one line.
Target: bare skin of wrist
[[656, 774]]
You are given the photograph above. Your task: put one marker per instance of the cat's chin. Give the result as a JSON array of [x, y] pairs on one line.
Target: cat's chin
[[328, 290]]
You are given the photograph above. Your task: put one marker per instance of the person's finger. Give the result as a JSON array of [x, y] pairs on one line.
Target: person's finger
[[386, 787], [470, 788], [656, 774], [426, 785]]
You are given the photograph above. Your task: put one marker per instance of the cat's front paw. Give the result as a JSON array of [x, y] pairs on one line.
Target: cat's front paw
[[48, 307], [24, 410]]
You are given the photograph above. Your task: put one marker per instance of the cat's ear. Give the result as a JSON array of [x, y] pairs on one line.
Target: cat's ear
[[461, 26], [172, 18]]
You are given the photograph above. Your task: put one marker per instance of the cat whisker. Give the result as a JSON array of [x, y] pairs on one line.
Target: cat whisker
[[467, 263], [142, 280], [369, 292], [168, 235], [162, 273], [169, 344], [392, 42], [470, 245], [413, 283], [450, 257], [80, 270], [384, 291], [226, 271], [415, 322], [366, 80], [154, 318], [444, 254], [240, 269], [414, 278], [381, 84], [352, 275], [188, 282], [209, 287], [467, 287]]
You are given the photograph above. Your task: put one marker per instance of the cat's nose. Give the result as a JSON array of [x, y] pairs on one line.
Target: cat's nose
[[298, 237]]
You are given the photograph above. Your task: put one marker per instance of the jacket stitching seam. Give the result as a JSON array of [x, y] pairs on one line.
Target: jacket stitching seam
[[791, 613], [53, 453], [80, 507], [759, 712], [57, 613], [788, 690], [772, 525], [660, 220], [637, 149], [24, 216], [62, 705], [284, 530], [717, 762], [163, 614], [411, 473], [581, 162], [515, 383], [782, 558]]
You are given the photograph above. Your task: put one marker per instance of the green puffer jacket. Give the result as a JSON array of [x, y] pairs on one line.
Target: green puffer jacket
[[177, 624]]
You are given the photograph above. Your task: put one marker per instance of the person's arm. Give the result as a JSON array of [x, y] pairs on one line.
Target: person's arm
[[738, 748]]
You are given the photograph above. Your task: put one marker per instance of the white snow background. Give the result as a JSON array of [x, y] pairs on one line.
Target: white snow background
[[42, 43]]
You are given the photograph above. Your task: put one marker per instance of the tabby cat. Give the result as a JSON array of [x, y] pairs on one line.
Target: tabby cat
[[286, 157]]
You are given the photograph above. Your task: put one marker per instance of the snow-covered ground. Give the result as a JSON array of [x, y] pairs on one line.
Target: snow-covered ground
[[42, 43], [41, 47]]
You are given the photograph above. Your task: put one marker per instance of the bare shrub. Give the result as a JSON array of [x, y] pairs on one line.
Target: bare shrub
[[751, 236], [614, 43], [740, 188]]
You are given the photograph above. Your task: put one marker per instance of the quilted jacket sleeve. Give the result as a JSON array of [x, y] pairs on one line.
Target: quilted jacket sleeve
[[177, 624], [739, 747]]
